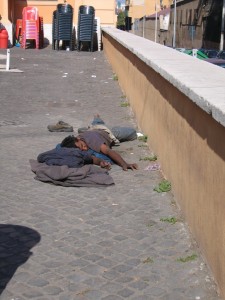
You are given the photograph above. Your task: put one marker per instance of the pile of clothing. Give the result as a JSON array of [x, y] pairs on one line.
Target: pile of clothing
[[69, 167]]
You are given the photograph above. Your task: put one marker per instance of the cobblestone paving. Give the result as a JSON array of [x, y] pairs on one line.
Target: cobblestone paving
[[84, 243]]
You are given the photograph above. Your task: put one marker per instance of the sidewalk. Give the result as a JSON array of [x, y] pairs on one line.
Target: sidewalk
[[84, 243]]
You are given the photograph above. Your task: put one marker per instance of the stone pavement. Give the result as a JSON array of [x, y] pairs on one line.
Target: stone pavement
[[84, 243]]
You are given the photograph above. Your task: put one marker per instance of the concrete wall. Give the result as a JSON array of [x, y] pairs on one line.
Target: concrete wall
[[179, 102]]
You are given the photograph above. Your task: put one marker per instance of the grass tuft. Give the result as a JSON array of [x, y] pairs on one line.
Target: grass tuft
[[171, 220], [150, 158], [164, 186], [187, 258], [124, 104], [115, 77], [143, 138], [148, 260]]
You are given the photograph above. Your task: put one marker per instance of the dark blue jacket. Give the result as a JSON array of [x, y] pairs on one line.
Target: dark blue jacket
[[72, 157]]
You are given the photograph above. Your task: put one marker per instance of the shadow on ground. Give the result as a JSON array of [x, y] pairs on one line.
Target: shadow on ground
[[15, 244]]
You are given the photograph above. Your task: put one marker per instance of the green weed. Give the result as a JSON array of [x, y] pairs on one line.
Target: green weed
[[171, 220], [143, 138], [187, 258], [164, 186], [115, 77], [124, 104], [150, 158]]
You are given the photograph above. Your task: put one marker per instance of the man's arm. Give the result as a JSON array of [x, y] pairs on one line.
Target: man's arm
[[100, 162], [117, 158]]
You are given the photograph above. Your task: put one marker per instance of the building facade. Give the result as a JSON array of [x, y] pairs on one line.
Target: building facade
[[196, 24], [139, 8]]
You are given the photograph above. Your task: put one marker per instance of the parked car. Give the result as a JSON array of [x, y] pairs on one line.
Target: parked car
[[216, 61], [221, 54], [211, 53]]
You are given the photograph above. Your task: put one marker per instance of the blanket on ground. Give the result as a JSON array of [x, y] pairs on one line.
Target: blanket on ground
[[71, 157], [88, 175]]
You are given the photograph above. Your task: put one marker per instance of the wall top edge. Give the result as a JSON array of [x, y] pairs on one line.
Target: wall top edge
[[200, 81]]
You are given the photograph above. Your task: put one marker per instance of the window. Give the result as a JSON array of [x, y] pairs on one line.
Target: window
[[190, 17]]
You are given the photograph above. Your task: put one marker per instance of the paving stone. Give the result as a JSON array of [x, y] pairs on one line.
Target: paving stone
[[53, 290], [133, 261], [124, 279], [32, 294], [94, 294], [120, 238], [122, 268], [39, 282], [144, 297], [140, 285], [157, 291], [125, 293], [111, 274], [79, 263], [107, 263], [92, 257], [112, 297]]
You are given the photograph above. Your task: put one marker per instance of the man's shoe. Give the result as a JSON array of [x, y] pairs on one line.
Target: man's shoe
[[60, 127], [83, 129]]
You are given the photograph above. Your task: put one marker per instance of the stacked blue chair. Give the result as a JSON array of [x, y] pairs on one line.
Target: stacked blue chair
[[85, 32], [62, 26]]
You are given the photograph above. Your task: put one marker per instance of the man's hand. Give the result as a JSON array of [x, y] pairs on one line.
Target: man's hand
[[130, 166], [115, 156], [100, 162], [106, 165]]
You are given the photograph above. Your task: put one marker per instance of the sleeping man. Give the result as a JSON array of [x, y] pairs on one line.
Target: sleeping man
[[99, 142]]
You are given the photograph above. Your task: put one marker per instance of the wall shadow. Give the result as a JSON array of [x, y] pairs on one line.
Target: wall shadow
[[15, 244]]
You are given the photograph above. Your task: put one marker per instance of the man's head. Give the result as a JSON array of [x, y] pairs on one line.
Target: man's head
[[74, 142]]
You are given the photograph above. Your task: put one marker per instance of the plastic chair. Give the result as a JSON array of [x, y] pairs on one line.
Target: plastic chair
[[30, 26], [85, 34], [87, 10], [30, 13], [64, 8], [62, 26]]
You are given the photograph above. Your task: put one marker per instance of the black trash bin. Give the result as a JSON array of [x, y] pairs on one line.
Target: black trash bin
[[62, 26], [85, 32], [128, 21]]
